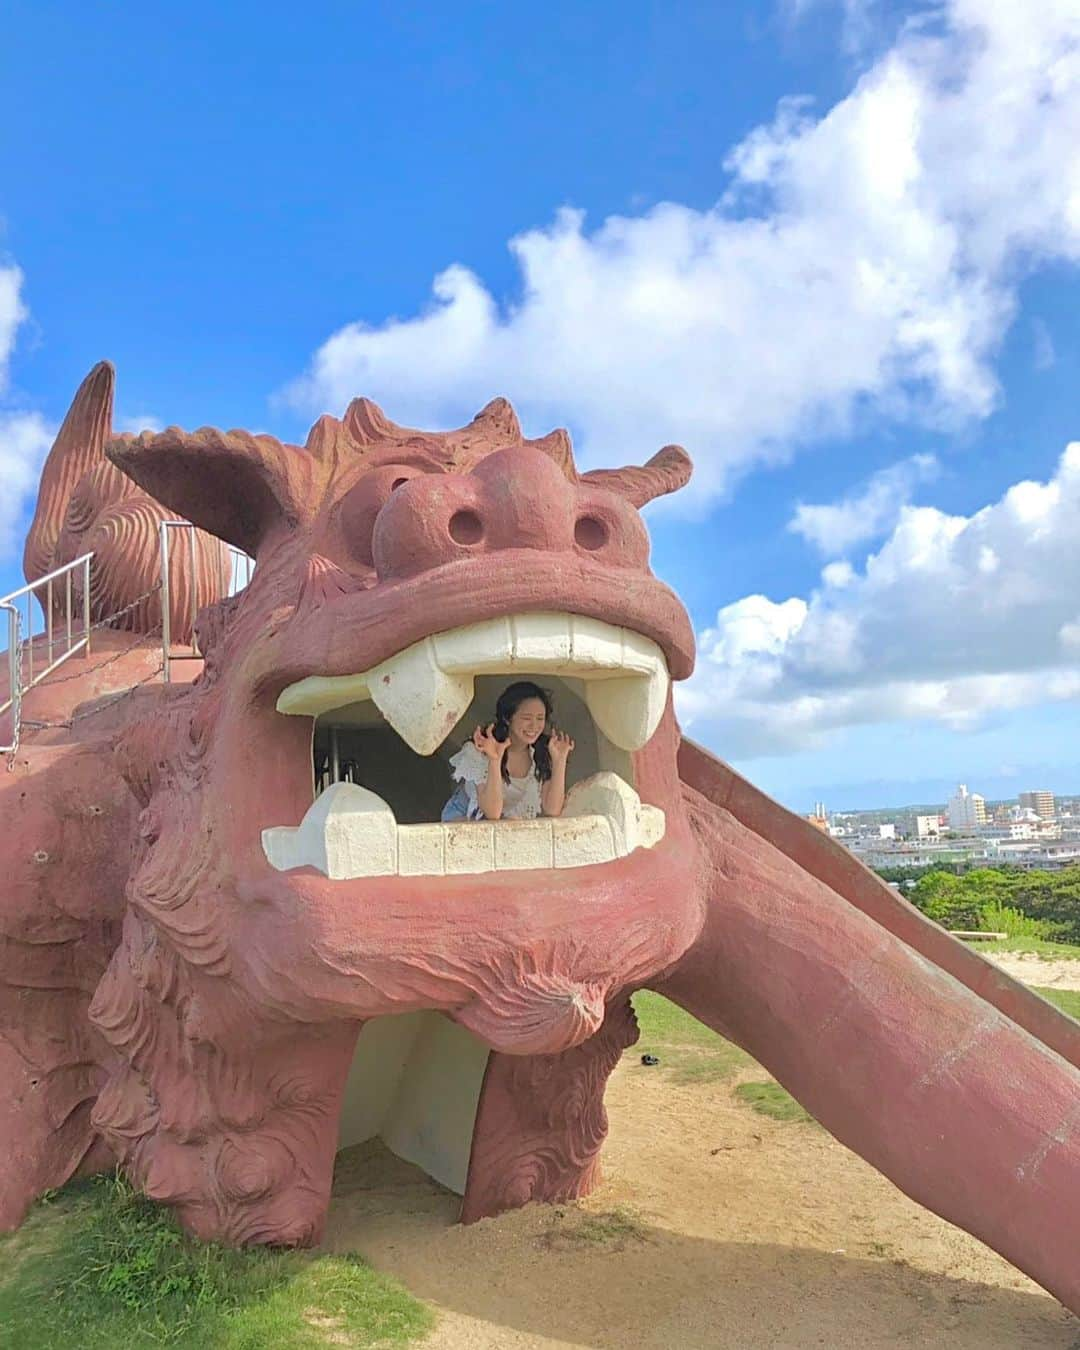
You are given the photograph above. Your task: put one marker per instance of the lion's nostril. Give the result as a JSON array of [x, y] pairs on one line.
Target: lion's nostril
[[466, 527], [398, 482], [591, 533]]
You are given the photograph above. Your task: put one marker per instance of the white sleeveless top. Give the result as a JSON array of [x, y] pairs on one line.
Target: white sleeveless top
[[521, 796]]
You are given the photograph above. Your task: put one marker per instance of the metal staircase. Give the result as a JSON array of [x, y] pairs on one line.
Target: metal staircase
[[36, 656], [239, 563], [39, 645]]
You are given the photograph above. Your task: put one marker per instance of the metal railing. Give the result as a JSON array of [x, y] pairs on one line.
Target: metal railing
[[65, 632], [239, 559], [238, 562], [53, 648]]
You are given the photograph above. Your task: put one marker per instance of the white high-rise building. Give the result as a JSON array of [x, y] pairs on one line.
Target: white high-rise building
[[967, 810], [1042, 803]]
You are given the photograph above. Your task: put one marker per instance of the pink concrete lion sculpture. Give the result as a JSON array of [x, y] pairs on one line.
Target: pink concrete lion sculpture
[[218, 974]]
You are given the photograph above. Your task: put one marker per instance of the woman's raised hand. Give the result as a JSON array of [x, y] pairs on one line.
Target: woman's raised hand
[[485, 742], [560, 745]]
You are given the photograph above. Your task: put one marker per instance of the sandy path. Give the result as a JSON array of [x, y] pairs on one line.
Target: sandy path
[[1032, 969], [743, 1233]]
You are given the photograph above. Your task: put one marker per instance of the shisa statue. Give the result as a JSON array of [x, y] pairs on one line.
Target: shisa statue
[[235, 934]]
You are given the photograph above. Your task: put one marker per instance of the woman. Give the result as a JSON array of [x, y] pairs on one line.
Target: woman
[[512, 769]]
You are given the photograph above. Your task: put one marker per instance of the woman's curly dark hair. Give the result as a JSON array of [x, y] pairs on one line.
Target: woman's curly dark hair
[[509, 701]]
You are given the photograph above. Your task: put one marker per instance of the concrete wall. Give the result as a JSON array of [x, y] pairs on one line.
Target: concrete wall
[[415, 1083]]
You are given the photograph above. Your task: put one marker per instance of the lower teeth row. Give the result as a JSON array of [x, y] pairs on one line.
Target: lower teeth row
[[351, 832]]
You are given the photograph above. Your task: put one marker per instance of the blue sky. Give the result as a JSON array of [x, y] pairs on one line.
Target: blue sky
[[831, 246]]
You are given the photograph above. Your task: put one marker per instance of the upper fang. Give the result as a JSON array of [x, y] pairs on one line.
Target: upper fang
[[420, 701], [425, 690]]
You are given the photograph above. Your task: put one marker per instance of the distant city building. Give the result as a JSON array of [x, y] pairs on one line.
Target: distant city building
[[819, 818], [1042, 803], [1025, 853], [1016, 835], [967, 810], [924, 853]]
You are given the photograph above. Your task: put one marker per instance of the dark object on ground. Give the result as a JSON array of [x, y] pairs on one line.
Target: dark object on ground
[[649, 1060]]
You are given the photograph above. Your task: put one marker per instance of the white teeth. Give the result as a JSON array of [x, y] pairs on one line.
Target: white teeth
[[350, 832], [628, 711], [582, 841], [321, 693], [606, 648], [546, 640], [633, 824], [420, 700], [425, 690], [347, 832], [529, 845]]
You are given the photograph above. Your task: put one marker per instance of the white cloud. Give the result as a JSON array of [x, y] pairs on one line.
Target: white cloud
[[861, 20], [838, 574], [1069, 633], [25, 437], [12, 313], [24, 442], [866, 260], [954, 619], [756, 626], [139, 422], [867, 514]]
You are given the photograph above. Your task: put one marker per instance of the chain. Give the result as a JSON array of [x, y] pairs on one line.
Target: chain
[[104, 623], [83, 671], [119, 613], [108, 661], [97, 707]]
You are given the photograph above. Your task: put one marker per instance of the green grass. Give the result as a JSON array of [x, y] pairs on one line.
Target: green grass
[[1068, 1000], [684, 1046], [694, 1054], [98, 1267], [770, 1099], [1051, 951], [612, 1229]]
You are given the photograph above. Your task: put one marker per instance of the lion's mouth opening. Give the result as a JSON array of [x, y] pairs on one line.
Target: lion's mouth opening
[[380, 745], [382, 739], [415, 1085]]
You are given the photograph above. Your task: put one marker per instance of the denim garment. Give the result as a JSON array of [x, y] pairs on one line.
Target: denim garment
[[461, 807]]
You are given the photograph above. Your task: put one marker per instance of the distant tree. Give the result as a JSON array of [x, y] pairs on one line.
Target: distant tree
[[948, 900], [898, 875], [983, 895], [1052, 896]]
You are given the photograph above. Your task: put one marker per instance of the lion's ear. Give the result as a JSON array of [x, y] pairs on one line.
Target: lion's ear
[[667, 471], [239, 487], [77, 449]]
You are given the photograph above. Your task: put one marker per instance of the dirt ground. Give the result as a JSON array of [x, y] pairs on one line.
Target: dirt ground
[[1032, 969], [715, 1227]]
